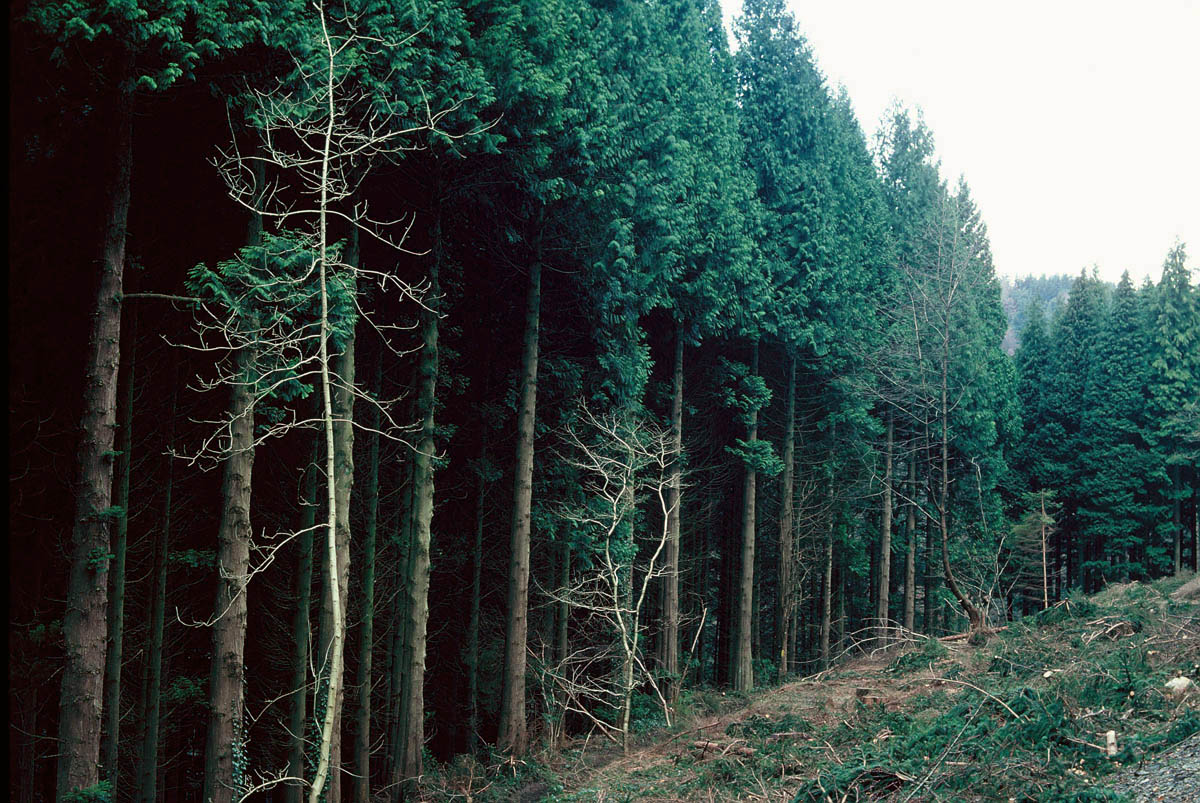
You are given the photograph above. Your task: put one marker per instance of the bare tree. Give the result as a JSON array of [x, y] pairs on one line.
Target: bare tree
[[923, 377], [626, 464], [286, 308]]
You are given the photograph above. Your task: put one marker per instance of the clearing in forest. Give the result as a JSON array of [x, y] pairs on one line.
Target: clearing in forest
[[1024, 717]]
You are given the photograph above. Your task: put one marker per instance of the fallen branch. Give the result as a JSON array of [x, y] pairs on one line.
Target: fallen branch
[[964, 636], [1113, 631], [704, 746], [714, 723], [984, 692], [774, 737]]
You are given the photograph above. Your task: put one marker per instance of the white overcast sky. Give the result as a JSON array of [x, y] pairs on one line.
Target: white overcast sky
[[1076, 124]]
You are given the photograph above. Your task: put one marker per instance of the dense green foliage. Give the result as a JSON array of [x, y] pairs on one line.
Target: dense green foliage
[[436, 185], [1107, 385]]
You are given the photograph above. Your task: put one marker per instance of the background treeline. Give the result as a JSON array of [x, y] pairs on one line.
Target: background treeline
[[1018, 295], [466, 376], [1111, 415]]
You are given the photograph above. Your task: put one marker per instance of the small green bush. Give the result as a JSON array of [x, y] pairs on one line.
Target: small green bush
[[99, 793], [761, 726], [645, 713], [930, 651]]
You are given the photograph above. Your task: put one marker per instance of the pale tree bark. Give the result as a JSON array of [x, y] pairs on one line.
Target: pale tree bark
[[362, 742], [623, 462], [333, 616], [561, 609], [885, 538], [513, 736], [743, 666], [151, 698], [85, 628], [301, 634], [910, 555], [668, 645], [408, 768], [116, 598], [784, 614], [626, 602], [338, 407]]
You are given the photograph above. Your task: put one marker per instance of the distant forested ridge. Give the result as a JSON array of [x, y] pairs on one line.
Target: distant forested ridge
[[404, 389], [1016, 294]]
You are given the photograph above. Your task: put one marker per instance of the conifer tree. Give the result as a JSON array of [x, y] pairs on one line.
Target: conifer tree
[[127, 49], [1116, 462], [1075, 335], [1175, 385], [1033, 364]]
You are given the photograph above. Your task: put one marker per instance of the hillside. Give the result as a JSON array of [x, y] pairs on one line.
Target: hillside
[[400, 388], [1016, 294], [1022, 717]]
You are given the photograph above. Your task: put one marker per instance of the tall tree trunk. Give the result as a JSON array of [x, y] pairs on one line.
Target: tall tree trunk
[[366, 647], [743, 677], [225, 746], [872, 589], [301, 633], [23, 751], [85, 628], [882, 615], [1045, 581], [564, 608], [668, 646], [562, 616], [840, 586], [333, 606], [910, 555], [932, 579], [629, 646], [412, 710], [1195, 527], [973, 614], [513, 736], [116, 598], [707, 545], [786, 519], [400, 630], [1058, 565], [472, 658], [827, 597], [151, 697], [755, 617], [1177, 494], [729, 544]]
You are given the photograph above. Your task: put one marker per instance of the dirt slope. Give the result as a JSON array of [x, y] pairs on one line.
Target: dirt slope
[[1023, 717]]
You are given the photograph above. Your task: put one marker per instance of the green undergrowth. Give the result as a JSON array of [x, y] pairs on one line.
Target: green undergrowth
[[1022, 718], [1031, 722]]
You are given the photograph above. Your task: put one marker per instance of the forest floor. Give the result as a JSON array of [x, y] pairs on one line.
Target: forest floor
[[1024, 717]]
